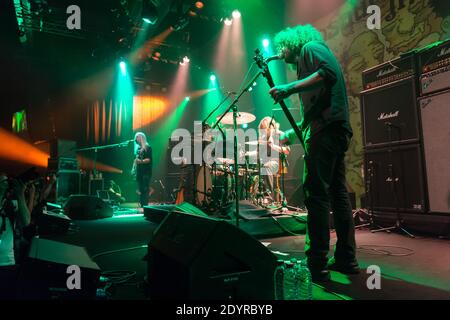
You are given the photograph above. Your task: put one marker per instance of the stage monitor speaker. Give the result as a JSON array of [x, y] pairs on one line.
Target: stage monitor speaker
[[435, 114], [192, 257], [82, 207], [189, 208], [394, 179], [45, 275], [389, 114]]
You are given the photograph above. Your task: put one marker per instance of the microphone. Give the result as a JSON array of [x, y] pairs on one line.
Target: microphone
[[275, 57], [126, 142]]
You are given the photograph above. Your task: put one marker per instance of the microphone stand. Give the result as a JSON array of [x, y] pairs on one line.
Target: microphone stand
[[394, 186], [233, 107], [96, 148]]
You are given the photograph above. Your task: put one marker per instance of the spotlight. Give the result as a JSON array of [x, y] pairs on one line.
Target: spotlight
[[228, 21], [265, 43], [236, 14], [212, 78], [123, 68], [250, 89], [187, 99], [245, 126], [199, 5], [149, 12], [186, 59]]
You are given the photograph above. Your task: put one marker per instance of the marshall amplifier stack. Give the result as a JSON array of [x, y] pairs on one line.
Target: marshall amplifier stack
[[393, 165], [405, 109]]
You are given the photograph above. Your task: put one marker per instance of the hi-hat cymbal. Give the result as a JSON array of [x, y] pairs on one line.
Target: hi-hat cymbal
[[242, 117]]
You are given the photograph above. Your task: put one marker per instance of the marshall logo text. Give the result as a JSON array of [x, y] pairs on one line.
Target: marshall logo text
[[385, 72], [390, 115]]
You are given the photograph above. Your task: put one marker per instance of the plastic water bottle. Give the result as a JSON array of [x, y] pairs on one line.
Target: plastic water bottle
[[293, 281], [305, 280]]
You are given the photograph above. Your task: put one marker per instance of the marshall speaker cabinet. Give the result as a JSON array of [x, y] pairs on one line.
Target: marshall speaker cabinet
[[394, 179], [389, 113]]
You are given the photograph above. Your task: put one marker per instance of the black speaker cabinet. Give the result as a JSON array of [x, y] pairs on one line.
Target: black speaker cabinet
[[82, 207], [63, 149], [67, 183], [389, 114], [192, 257], [435, 115], [394, 179], [44, 273]]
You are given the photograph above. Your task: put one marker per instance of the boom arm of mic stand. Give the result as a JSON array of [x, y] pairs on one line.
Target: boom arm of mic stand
[[216, 108], [235, 101]]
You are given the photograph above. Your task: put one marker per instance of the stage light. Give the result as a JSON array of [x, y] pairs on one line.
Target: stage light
[[123, 68], [265, 43], [245, 126], [212, 78], [254, 84], [187, 99], [199, 5], [149, 12], [250, 89], [236, 14], [186, 59], [228, 21]]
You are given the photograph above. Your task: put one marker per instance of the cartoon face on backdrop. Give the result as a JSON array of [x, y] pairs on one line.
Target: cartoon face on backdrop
[[406, 24]]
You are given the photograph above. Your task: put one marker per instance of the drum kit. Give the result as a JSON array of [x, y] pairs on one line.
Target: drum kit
[[214, 185]]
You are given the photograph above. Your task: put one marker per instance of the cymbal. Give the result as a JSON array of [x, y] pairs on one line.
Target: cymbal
[[242, 117]]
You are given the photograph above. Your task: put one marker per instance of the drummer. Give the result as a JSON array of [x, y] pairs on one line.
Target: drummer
[[270, 133]]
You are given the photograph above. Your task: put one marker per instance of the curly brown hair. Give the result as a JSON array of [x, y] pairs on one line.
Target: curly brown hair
[[295, 38]]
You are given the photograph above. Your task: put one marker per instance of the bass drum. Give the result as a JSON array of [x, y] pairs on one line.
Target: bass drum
[[213, 187]]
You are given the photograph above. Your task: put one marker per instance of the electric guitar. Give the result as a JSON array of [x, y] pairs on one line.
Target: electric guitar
[[134, 168], [263, 65]]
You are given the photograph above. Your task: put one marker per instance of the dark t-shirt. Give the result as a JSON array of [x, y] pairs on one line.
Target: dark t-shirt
[[145, 168], [328, 103]]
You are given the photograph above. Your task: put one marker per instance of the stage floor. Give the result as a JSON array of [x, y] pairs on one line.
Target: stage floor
[[410, 268]]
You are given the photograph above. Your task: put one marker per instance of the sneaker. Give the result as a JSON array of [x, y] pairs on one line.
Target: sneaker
[[345, 268]]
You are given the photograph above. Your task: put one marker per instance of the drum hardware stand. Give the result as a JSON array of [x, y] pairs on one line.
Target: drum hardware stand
[[394, 183], [233, 107], [204, 204], [284, 205]]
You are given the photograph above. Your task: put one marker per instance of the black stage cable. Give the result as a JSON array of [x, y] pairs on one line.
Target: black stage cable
[[118, 250], [118, 276], [246, 76], [284, 228], [373, 247]]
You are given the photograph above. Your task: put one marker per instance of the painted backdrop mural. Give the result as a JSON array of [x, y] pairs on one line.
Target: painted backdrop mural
[[406, 24]]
